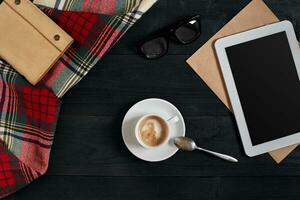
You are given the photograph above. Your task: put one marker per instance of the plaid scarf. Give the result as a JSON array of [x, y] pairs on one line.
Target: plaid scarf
[[29, 113]]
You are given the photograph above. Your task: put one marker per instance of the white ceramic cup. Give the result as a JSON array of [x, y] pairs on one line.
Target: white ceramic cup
[[167, 124]]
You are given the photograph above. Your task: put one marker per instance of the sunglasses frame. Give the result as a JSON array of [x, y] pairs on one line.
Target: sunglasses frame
[[168, 34]]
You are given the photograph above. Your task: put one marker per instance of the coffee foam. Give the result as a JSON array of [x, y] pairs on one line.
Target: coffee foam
[[153, 131]]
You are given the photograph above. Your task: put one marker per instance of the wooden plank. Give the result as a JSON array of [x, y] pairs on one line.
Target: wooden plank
[[254, 188], [171, 188], [92, 145], [112, 87]]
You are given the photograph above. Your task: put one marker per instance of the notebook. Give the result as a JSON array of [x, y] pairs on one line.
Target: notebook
[[204, 61], [30, 41]]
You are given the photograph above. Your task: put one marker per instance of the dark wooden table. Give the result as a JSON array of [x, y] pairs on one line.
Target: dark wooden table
[[89, 159]]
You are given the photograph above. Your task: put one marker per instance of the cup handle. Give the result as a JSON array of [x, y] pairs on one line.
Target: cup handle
[[173, 120]]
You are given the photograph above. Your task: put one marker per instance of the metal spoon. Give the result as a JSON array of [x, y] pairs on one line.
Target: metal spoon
[[187, 144]]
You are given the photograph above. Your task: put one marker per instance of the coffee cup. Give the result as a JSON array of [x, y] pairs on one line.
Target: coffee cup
[[152, 130]]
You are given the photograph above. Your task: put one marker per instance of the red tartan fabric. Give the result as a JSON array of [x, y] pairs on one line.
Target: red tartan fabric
[[27, 123], [28, 115], [107, 7], [94, 35], [13, 173], [95, 31]]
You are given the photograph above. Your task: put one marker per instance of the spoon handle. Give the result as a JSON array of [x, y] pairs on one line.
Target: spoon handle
[[219, 155]]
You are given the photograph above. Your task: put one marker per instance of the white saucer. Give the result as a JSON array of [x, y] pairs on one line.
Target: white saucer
[[152, 106]]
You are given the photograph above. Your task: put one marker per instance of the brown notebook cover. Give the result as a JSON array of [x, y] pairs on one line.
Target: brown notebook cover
[[204, 61], [29, 40]]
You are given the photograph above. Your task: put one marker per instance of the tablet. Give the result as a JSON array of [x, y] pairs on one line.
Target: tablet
[[261, 72]]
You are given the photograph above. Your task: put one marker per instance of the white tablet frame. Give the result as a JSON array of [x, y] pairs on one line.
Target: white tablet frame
[[239, 38]]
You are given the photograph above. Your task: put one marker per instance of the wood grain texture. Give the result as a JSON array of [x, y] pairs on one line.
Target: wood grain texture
[[171, 188], [89, 159]]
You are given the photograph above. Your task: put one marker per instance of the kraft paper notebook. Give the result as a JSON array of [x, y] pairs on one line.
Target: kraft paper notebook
[[29, 40], [204, 62]]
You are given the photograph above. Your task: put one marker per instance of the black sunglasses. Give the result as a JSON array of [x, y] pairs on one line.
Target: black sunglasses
[[185, 31]]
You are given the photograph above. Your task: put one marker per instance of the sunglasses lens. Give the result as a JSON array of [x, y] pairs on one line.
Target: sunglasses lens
[[155, 48], [188, 32]]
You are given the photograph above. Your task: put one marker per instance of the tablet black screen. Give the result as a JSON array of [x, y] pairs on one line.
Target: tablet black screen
[[268, 86]]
